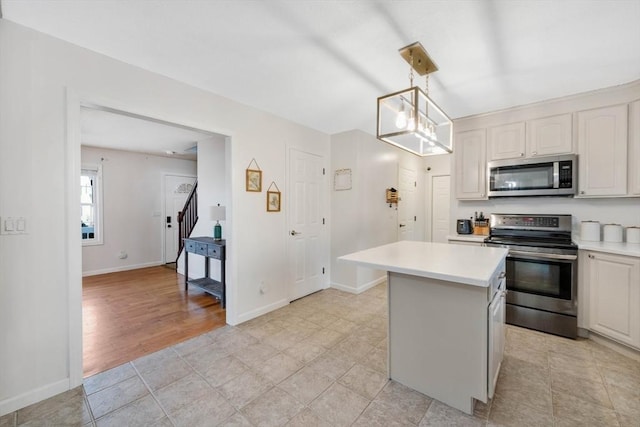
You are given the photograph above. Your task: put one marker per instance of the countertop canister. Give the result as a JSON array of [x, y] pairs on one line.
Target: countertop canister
[[633, 234], [590, 231], [612, 233]]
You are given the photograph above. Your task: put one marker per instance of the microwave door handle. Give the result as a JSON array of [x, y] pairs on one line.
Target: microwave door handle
[[534, 255], [556, 174]]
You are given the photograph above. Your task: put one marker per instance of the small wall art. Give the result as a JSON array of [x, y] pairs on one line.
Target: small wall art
[[254, 177], [273, 198], [342, 179]]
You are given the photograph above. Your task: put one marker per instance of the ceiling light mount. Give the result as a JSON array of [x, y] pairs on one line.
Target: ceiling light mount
[[409, 119], [418, 58]]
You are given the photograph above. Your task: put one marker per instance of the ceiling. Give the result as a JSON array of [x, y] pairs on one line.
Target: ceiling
[[324, 63], [114, 130]]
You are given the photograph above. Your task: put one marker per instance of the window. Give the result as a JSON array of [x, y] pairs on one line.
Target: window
[[91, 205]]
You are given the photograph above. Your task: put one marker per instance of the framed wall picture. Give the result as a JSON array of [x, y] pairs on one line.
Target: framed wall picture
[[273, 198], [254, 180], [273, 201], [342, 179]]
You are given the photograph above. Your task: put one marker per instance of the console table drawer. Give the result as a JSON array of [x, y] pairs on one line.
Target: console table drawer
[[190, 246], [201, 249], [214, 251]]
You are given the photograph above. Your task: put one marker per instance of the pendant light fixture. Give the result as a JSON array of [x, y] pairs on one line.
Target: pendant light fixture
[[409, 119]]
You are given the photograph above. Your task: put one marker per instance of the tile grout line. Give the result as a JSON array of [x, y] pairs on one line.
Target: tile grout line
[[153, 396]]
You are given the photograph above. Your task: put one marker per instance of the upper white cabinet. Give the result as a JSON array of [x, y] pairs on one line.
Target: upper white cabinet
[[549, 136], [471, 164], [602, 151], [613, 283], [634, 148], [506, 142]]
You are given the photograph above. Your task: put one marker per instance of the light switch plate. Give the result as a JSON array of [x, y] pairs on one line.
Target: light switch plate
[[7, 225], [13, 225]]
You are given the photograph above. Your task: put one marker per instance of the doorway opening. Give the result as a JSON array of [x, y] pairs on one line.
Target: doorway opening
[[132, 304]]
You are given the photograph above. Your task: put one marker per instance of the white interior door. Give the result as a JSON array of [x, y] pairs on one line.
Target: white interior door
[[305, 239], [440, 208], [176, 191], [407, 216]]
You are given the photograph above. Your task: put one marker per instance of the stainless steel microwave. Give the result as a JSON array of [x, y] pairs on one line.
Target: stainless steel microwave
[[540, 176]]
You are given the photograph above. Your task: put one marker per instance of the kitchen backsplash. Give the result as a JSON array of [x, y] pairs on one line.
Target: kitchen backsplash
[[624, 211]]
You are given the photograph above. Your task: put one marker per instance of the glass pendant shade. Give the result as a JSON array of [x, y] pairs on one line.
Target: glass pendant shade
[[410, 120]]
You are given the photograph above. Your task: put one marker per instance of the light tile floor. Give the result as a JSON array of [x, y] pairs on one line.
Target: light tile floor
[[321, 361]]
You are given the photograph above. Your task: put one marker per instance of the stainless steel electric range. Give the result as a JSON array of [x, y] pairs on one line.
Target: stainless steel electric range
[[542, 271]]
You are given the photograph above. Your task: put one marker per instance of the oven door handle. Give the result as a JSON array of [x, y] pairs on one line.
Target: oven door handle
[[534, 255]]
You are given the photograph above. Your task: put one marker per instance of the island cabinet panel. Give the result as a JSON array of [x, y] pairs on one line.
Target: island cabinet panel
[[438, 336]]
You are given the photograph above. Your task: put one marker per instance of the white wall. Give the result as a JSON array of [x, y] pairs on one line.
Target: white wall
[[212, 190], [43, 82], [132, 185], [625, 211], [360, 217]]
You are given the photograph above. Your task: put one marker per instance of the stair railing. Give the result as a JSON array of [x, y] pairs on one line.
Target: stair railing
[[187, 217]]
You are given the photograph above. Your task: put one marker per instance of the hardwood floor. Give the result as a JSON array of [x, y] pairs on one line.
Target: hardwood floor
[[129, 314]]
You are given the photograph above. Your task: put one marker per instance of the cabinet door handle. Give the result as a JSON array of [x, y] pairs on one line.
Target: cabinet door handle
[[295, 233], [591, 256], [502, 275], [521, 154], [582, 192], [402, 225]]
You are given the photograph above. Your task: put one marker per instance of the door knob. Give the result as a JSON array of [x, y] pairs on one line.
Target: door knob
[[294, 232]]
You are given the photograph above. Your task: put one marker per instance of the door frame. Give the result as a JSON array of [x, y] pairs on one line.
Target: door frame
[[325, 214], [73, 248], [164, 208]]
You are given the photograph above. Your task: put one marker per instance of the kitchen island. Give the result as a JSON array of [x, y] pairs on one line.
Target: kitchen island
[[446, 317]]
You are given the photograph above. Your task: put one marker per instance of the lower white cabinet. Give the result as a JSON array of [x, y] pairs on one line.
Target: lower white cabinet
[[497, 317], [613, 286]]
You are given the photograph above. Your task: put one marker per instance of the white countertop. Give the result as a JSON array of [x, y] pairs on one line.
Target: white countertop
[[476, 238], [470, 265], [624, 248]]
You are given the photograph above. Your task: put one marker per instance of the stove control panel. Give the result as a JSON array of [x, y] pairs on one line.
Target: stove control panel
[[541, 222], [530, 221]]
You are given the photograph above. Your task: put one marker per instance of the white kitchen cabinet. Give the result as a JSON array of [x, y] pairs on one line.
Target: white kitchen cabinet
[[549, 136], [506, 142], [497, 317], [634, 148], [613, 286], [602, 151], [471, 164]]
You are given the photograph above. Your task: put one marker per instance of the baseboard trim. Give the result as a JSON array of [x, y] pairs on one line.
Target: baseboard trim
[[123, 268], [33, 396], [360, 289], [260, 311], [623, 349]]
